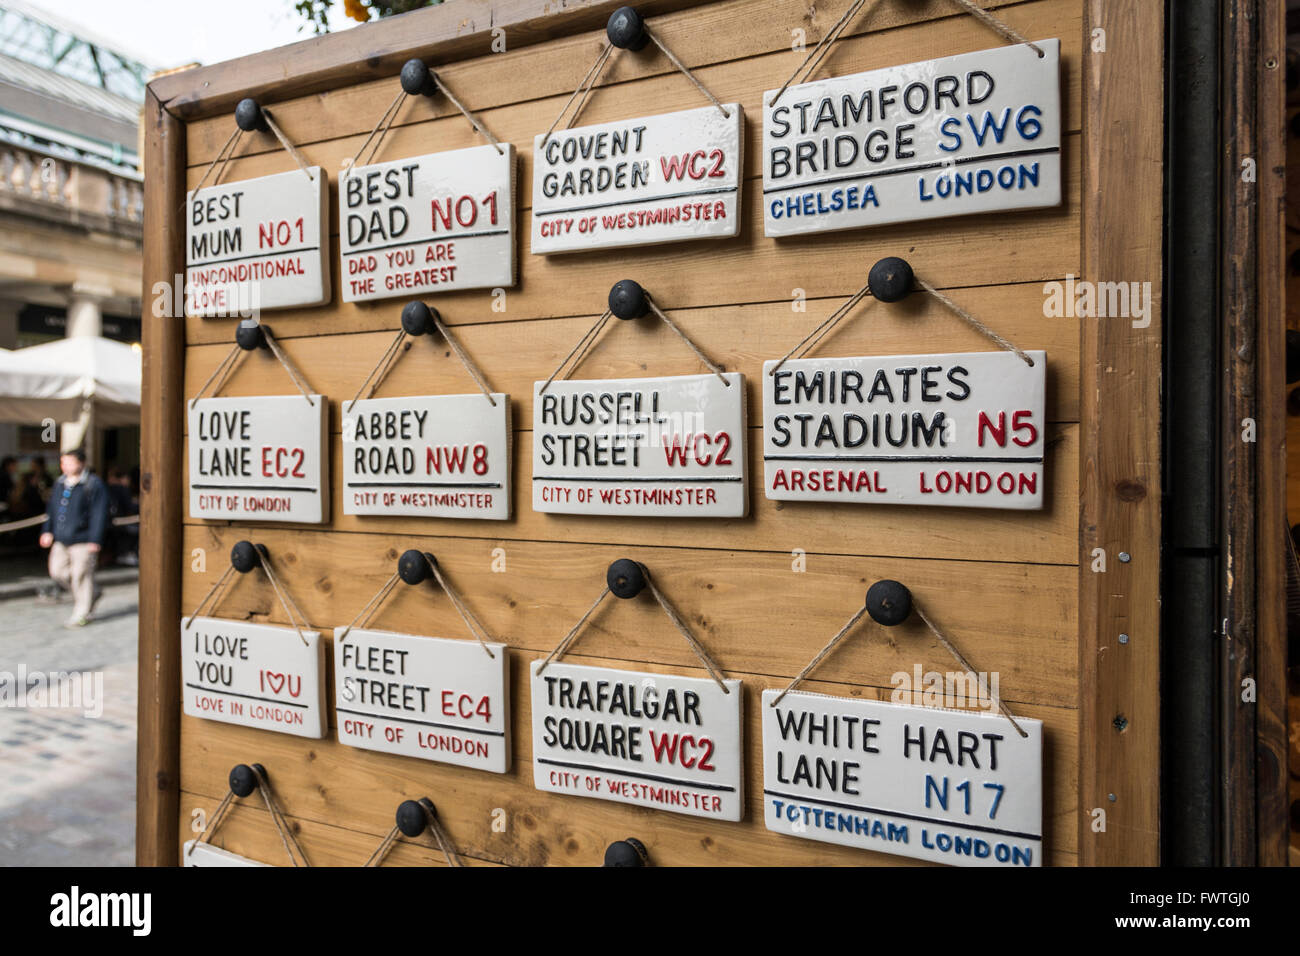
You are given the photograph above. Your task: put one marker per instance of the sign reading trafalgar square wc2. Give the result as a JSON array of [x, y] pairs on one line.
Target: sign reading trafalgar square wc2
[[973, 133]]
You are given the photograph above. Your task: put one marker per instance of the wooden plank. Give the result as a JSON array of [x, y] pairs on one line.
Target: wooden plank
[[1119, 705], [161, 512]]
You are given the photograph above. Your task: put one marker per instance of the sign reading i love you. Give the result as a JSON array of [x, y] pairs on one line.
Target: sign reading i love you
[[654, 740], [435, 456], [259, 459], [257, 244], [425, 697], [668, 447], [641, 181], [973, 133], [953, 786], [257, 675], [963, 429], [428, 224]]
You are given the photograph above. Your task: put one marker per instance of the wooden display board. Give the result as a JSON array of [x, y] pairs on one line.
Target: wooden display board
[[1020, 591]]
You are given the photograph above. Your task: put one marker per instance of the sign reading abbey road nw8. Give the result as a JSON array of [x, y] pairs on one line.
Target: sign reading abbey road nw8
[[257, 244], [954, 786], [259, 459], [973, 133], [637, 182], [654, 740], [963, 429], [257, 675], [667, 447], [432, 456], [428, 224], [425, 697]]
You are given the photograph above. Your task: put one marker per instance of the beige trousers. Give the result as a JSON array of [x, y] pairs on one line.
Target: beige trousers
[[72, 566]]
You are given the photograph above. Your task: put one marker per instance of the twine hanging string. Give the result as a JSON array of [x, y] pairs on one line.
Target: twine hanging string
[[286, 602], [999, 27], [562, 648], [818, 53], [288, 366], [222, 372], [211, 591], [223, 369], [819, 333], [395, 350], [439, 835], [461, 354], [371, 606], [713, 366], [278, 818], [222, 157], [821, 655], [473, 120], [381, 368], [288, 146], [385, 121], [684, 70], [973, 322], [214, 821], [584, 343]]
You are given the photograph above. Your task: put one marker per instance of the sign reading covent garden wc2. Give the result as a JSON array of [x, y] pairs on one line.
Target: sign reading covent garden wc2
[[973, 133]]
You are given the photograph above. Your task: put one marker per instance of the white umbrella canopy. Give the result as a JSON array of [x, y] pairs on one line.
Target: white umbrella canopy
[[57, 380]]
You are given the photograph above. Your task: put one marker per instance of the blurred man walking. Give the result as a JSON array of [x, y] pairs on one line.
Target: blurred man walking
[[76, 521]]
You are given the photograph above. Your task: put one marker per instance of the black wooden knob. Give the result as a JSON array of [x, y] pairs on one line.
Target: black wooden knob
[[627, 300], [626, 29], [890, 279], [416, 78], [249, 336], [889, 602], [244, 556], [248, 116], [625, 578], [242, 779], [413, 566], [412, 818], [629, 852], [417, 318]]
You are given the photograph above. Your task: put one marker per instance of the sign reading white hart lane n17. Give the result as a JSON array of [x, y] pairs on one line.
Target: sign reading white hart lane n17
[[666, 447], [259, 459], [654, 740], [425, 697], [433, 456], [954, 786], [640, 181], [963, 429], [431, 223], [257, 244], [973, 133], [257, 675]]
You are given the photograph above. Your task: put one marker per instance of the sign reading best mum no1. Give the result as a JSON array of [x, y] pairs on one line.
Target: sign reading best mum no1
[[973, 133]]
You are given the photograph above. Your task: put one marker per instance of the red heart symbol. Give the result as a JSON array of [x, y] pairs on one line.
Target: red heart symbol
[[275, 681]]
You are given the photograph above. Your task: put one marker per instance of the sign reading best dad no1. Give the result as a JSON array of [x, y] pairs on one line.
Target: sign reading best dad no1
[[963, 429], [257, 244], [654, 740], [973, 133], [954, 786], [638, 182]]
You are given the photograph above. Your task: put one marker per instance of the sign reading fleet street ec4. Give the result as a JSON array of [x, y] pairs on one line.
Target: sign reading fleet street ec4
[[973, 133], [257, 675], [637, 182], [654, 740], [432, 456], [666, 447], [428, 224], [257, 244], [964, 429], [953, 786], [259, 459], [425, 697]]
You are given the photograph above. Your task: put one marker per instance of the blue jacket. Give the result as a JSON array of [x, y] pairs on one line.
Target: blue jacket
[[79, 514]]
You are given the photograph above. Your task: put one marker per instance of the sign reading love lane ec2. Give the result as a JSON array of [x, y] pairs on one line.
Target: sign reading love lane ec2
[[953, 786], [973, 133], [259, 459], [424, 697], [435, 456], [667, 447], [257, 675], [964, 429], [637, 182], [654, 740], [257, 244], [428, 224]]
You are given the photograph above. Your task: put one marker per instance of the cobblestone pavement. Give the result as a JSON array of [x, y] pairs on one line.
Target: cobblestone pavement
[[67, 773]]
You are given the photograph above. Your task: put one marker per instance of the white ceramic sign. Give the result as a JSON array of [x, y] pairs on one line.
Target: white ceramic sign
[[205, 854], [653, 740], [427, 456], [428, 224], [257, 675], [259, 459], [965, 429], [973, 133], [425, 697], [665, 447], [640, 181], [257, 244], [960, 787]]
